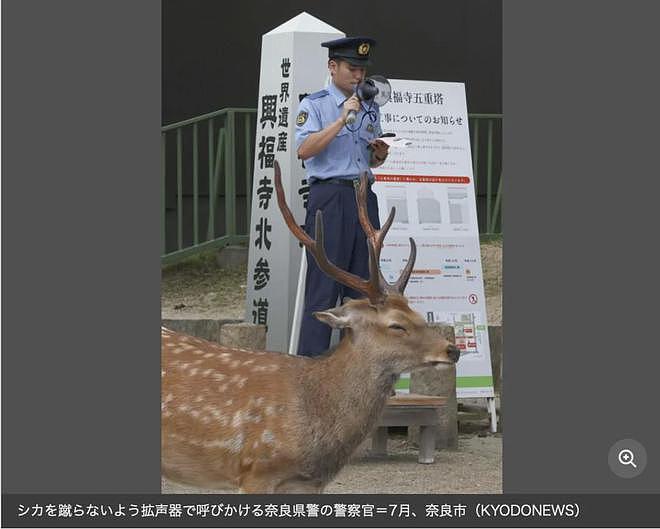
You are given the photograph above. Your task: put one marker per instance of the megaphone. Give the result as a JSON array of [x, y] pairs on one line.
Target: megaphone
[[375, 88]]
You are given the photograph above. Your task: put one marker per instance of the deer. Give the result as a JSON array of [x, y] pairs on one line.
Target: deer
[[270, 422]]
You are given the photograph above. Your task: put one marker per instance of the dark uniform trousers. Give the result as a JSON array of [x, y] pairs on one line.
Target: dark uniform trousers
[[345, 245]]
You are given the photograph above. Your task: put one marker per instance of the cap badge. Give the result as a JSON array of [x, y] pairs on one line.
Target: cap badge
[[363, 49]]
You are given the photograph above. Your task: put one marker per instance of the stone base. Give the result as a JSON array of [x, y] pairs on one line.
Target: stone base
[[440, 381], [205, 329], [244, 335], [232, 256]]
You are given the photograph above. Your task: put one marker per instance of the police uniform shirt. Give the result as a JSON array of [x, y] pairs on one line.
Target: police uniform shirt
[[347, 155]]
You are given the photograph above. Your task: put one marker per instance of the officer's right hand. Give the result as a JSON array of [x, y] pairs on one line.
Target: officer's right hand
[[352, 103]]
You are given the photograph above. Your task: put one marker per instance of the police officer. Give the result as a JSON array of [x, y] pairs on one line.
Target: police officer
[[336, 153]]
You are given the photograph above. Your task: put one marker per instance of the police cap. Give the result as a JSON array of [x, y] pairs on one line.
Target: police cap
[[355, 50]]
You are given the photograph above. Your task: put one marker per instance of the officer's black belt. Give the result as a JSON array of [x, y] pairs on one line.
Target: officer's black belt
[[349, 182]]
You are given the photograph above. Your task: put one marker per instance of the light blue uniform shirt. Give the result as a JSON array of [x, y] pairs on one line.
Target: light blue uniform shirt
[[347, 155]]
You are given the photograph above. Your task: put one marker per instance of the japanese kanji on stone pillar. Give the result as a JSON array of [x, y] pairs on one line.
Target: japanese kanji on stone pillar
[[293, 64]]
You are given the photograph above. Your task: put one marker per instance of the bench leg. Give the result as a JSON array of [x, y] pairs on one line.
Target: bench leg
[[426, 444], [379, 441]]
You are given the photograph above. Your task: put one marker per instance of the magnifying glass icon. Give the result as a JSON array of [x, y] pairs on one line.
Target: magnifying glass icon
[[626, 457]]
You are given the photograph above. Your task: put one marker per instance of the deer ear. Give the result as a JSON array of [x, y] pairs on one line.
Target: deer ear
[[335, 318]]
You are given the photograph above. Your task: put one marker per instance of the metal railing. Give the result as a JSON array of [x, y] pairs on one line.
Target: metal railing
[[209, 144], [204, 158], [489, 203]]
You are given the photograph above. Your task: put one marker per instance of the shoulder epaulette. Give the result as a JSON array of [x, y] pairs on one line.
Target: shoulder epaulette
[[319, 94]]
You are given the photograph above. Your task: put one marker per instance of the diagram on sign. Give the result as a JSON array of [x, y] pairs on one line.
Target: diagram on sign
[[397, 198], [468, 331], [457, 198], [431, 207], [428, 207]]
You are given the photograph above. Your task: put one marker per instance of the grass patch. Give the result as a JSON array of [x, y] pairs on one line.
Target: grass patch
[[491, 238]]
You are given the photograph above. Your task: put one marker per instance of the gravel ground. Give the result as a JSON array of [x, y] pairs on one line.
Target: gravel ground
[[202, 290]]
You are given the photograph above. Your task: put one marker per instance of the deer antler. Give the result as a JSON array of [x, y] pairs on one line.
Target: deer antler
[[370, 288], [376, 238]]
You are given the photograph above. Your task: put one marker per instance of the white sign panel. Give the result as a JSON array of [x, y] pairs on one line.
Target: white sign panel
[[293, 64], [428, 178]]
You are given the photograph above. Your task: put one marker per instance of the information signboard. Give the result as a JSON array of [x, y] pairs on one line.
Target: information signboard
[[428, 178]]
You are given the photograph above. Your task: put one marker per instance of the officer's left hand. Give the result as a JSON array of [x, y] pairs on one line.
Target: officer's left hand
[[380, 148]]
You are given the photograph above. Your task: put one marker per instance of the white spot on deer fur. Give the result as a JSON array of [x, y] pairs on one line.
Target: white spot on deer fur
[[270, 410], [267, 437], [162, 373], [185, 365], [247, 461], [168, 398], [234, 444], [199, 398], [248, 362], [207, 372], [178, 350], [219, 377], [195, 414], [193, 371], [208, 355], [229, 402], [166, 414], [215, 414], [235, 364], [238, 380], [184, 408], [222, 388], [238, 419], [197, 362]]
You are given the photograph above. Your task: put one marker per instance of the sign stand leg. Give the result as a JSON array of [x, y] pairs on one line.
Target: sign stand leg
[[493, 414], [298, 308]]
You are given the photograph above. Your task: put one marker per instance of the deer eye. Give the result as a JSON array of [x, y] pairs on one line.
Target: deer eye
[[397, 327]]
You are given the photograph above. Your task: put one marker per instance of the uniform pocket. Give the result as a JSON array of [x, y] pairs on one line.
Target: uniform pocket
[[323, 197], [367, 135]]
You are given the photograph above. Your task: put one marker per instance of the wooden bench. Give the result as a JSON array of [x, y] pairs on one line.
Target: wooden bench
[[410, 410]]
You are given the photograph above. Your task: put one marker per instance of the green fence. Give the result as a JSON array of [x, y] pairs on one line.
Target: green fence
[[486, 139], [206, 168], [207, 179]]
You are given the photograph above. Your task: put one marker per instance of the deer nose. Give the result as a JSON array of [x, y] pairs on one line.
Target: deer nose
[[453, 353]]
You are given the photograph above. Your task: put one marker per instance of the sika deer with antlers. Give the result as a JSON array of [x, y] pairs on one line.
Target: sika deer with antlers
[[269, 422]]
